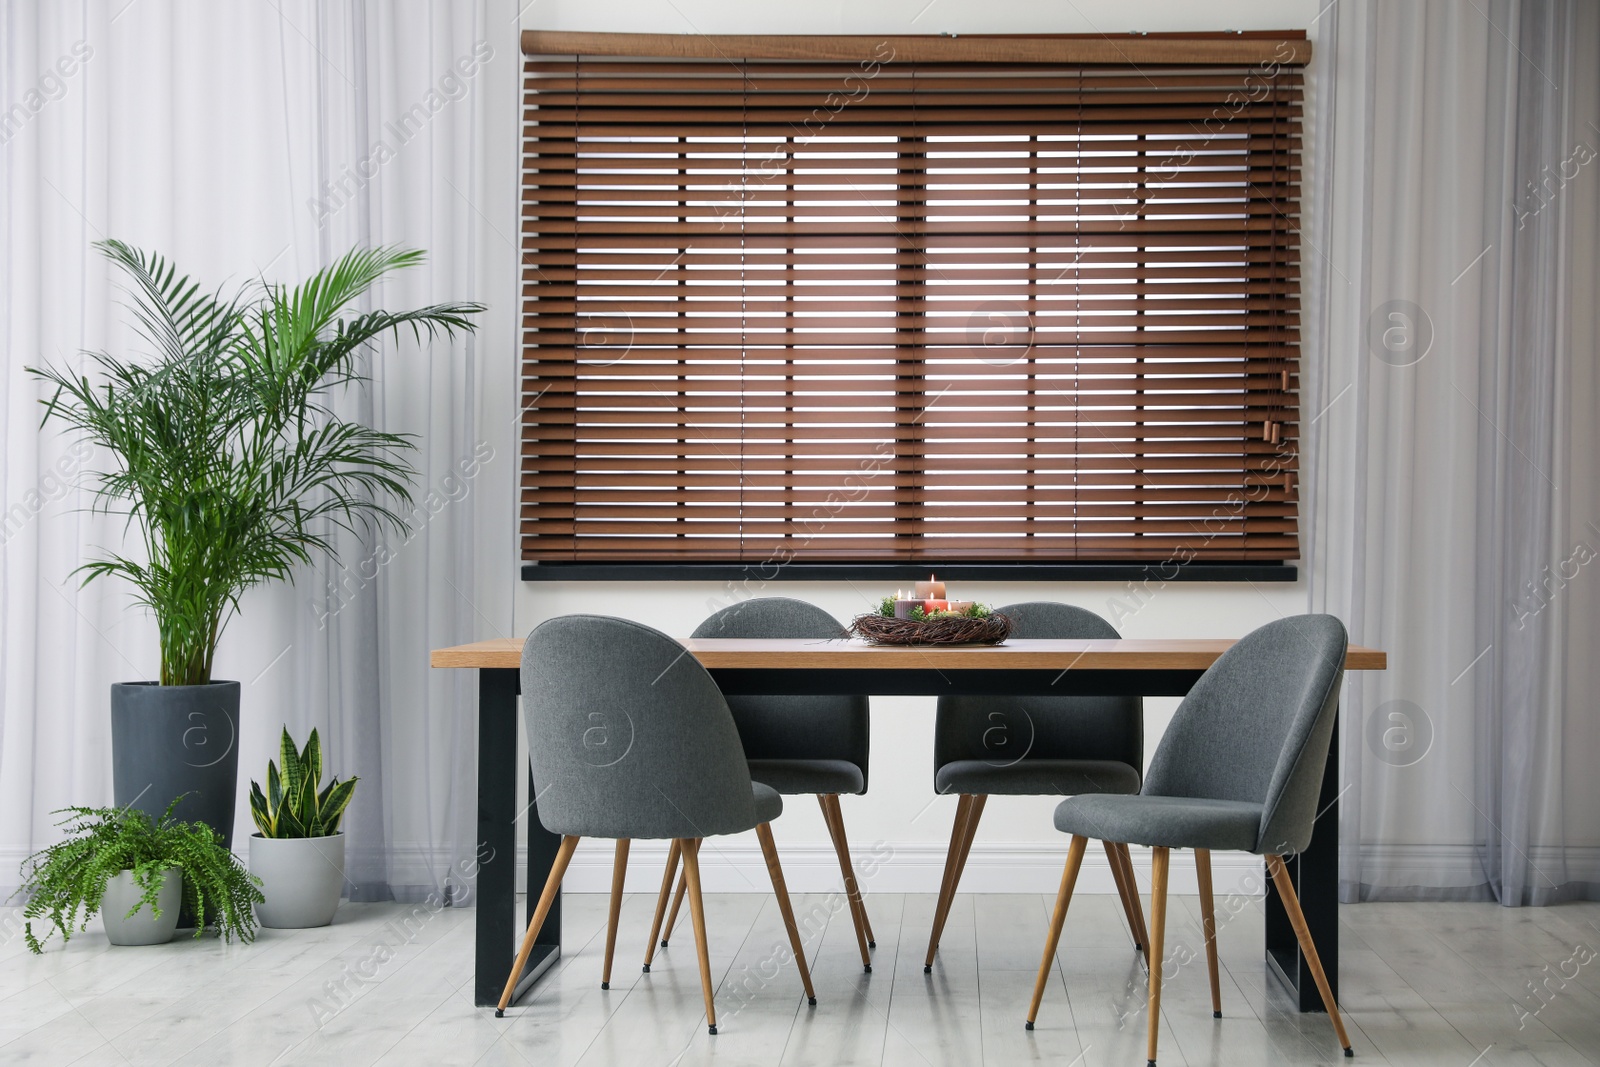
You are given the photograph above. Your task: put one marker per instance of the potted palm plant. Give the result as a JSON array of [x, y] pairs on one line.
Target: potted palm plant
[[228, 460], [135, 870], [298, 849]]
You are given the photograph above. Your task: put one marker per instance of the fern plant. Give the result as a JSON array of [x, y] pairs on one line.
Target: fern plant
[[66, 883], [293, 805], [226, 456]]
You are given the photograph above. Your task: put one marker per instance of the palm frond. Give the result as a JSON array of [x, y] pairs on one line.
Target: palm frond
[[229, 459]]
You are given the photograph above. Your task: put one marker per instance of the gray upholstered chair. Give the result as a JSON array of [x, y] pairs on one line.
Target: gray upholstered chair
[[796, 744], [630, 738], [1240, 768], [1037, 746]]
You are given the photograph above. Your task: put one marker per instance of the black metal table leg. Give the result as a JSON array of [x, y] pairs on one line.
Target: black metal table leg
[[1315, 873], [542, 848], [497, 928]]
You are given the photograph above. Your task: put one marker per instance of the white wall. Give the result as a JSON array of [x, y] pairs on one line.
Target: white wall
[[901, 820]]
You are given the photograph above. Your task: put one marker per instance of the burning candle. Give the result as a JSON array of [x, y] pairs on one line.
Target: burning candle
[[962, 606], [930, 589], [931, 606]]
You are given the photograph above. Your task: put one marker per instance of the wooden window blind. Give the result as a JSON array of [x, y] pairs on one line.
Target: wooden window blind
[[873, 309]]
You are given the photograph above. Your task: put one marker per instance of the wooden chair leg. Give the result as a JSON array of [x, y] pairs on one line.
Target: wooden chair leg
[[969, 830], [973, 815], [1143, 934], [1297, 919], [851, 885], [619, 873], [552, 885], [1069, 878], [958, 832], [661, 902], [1208, 922], [697, 912], [1128, 895], [1160, 858], [677, 902], [781, 891], [834, 818]]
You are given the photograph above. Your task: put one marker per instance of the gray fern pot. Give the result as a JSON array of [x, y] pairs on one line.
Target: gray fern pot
[[301, 878], [142, 927]]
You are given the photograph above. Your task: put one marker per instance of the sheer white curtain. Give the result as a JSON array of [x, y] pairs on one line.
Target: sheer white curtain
[[263, 140], [1451, 245]]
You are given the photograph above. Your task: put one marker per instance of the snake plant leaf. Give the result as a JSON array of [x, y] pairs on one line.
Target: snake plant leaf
[[274, 789], [289, 824], [311, 758], [294, 771], [338, 798], [324, 823], [259, 812], [306, 808]]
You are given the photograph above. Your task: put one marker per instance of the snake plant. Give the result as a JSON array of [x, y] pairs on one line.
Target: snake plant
[[293, 805]]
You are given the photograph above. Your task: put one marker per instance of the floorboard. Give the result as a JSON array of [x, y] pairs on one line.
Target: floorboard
[[1454, 985]]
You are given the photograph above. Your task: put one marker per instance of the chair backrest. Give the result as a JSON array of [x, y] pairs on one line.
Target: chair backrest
[[1007, 729], [793, 727], [1257, 725], [628, 734]]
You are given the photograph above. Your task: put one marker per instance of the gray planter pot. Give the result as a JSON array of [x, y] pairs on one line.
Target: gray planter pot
[[173, 739], [142, 927], [301, 878]]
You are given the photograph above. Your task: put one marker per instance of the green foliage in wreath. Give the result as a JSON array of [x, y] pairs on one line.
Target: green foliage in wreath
[[977, 611]]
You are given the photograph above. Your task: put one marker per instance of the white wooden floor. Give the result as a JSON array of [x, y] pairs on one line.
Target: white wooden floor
[[1423, 984]]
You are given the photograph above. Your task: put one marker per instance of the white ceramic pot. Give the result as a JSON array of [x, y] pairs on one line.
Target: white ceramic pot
[[300, 878], [142, 927]]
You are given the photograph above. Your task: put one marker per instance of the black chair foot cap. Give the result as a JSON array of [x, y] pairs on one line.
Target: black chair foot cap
[[811, 1001], [1150, 1063], [605, 985], [647, 968], [872, 944], [927, 968], [663, 942], [1138, 947], [1028, 1025], [499, 1013], [1349, 1052], [712, 1029], [1216, 1015], [867, 967]]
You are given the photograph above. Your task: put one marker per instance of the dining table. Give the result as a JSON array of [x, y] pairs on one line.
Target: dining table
[[752, 666]]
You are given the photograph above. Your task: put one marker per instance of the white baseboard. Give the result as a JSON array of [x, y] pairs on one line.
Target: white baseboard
[[737, 867]]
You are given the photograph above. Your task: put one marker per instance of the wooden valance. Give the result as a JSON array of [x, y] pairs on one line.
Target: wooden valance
[[1186, 49]]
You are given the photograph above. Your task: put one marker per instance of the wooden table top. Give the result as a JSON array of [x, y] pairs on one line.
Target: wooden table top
[[1016, 654]]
